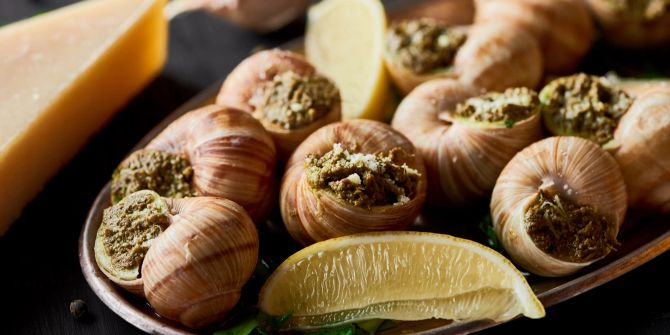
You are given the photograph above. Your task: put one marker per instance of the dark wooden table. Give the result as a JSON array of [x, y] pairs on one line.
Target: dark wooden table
[[39, 265]]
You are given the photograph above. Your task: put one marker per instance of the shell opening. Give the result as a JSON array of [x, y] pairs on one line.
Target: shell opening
[[509, 107], [129, 227], [292, 101], [641, 10], [423, 45], [363, 180], [584, 105], [168, 174], [569, 231]]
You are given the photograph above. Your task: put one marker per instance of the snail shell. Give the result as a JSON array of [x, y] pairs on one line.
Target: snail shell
[[621, 28], [194, 271], [463, 159], [314, 215], [642, 148], [495, 56], [450, 13], [259, 15], [563, 28], [574, 168], [232, 156], [250, 75]]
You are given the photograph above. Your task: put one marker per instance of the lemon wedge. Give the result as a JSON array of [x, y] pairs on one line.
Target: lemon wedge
[[399, 276], [345, 41]]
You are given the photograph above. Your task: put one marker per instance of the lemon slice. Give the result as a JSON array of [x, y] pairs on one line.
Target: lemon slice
[[399, 276], [344, 40]]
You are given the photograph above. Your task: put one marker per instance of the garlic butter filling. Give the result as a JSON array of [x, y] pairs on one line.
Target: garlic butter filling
[[292, 101], [363, 180], [423, 45], [584, 105], [167, 174], [568, 231], [129, 226], [509, 107]]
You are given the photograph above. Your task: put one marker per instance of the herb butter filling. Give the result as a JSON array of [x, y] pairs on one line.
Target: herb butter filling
[[423, 45], [585, 106], [363, 180], [509, 107], [169, 175], [568, 231], [129, 227], [292, 101], [643, 10]]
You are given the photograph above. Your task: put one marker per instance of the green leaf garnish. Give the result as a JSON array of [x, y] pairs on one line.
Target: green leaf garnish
[[509, 123]]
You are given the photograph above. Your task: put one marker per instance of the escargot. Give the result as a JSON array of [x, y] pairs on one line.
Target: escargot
[[491, 56], [349, 177], [641, 146], [563, 28], [259, 15], [558, 205], [194, 271], [466, 138], [285, 93], [629, 119], [211, 151], [450, 13], [633, 23], [189, 257]]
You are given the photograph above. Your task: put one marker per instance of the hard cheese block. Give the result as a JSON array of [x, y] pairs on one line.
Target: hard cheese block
[[62, 75]]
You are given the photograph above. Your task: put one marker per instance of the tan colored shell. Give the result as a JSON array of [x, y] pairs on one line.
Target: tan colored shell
[[194, 270], [259, 15], [635, 87], [250, 74], [312, 216], [232, 156], [450, 12], [572, 167], [494, 57], [624, 31], [563, 28], [463, 160], [642, 148]]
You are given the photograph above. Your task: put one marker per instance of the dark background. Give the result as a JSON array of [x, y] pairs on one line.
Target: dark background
[[39, 264]]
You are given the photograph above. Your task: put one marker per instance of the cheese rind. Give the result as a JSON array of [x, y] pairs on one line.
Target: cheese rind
[[64, 74]]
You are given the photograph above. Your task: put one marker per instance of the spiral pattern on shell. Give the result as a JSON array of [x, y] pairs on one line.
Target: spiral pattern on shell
[[231, 154], [243, 82], [642, 149], [194, 271], [563, 28], [315, 215], [572, 167], [463, 160], [495, 56]]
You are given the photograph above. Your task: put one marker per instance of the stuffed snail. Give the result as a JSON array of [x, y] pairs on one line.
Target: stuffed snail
[[563, 28], [466, 138], [633, 127], [211, 151], [558, 205], [633, 23], [349, 177], [285, 93], [259, 15], [492, 56], [189, 257]]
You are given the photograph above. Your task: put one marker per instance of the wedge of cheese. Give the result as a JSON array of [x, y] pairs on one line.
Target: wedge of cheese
[[62, 75]]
